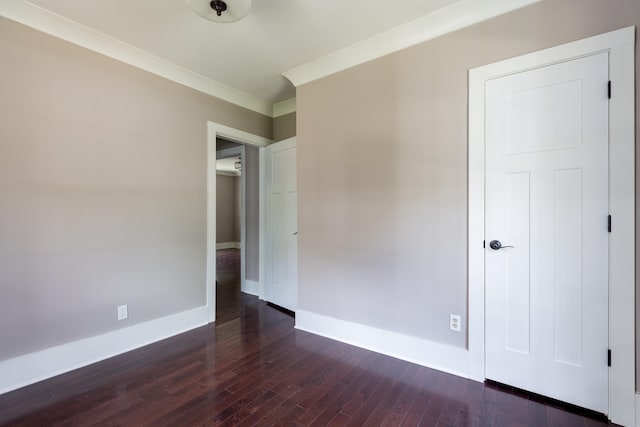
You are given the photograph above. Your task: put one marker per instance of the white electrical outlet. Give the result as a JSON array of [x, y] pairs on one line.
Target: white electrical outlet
[[123, 312], [454, 322]]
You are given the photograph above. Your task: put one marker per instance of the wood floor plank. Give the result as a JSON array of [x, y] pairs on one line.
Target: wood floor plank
[[537, 414], [560, 417], [339, 420], [278, 413], [417, 409], [436, 404], [278, 380], [262, 412], [262, 401], [289, 418], [351, 396], [380, 394], [396, 415], [367, 389], [512, 409], [250, 391], [329, 385], [350, 370], [389, 399], [473, 412], [456, 404], [339, 393]]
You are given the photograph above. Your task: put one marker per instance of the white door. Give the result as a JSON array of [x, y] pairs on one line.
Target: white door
[[547, 196], [281, 281]]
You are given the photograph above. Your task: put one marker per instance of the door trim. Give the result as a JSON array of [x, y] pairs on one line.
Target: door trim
[[620, 46], [215, 131]]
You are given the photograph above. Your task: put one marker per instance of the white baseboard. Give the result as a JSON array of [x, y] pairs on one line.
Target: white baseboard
[[251, 287], [33, 367], [434, 355], [228, 245]]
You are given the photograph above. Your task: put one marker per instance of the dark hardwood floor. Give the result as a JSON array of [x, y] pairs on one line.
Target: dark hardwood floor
[[229, 305], [255, 369]]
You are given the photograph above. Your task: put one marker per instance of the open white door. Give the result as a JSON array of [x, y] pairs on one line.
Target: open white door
[[546, 231], [281, 257]]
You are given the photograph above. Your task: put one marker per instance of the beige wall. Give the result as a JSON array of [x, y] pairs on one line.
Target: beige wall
[[102, 191], [382, 170], [284, 127], [228, 189]]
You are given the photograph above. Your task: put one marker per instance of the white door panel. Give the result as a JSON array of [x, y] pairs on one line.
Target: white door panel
[[281, 282], [547, 196]]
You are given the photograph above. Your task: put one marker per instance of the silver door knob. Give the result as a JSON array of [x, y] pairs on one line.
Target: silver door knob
[[496, 245]]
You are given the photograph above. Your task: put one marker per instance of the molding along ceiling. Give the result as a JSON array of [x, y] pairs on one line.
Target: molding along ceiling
[[246, 62], [459, 15], [73, 32], [284, 107]]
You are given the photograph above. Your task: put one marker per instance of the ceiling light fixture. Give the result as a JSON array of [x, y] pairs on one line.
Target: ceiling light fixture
[[219, 10], [218, 6]]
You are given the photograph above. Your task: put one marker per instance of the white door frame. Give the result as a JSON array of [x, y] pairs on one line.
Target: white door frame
[[215, 131], [620, 46]]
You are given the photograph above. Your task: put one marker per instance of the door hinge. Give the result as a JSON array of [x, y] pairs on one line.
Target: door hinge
[[609, 357], [609, 223], [609, 89], [484, 243]]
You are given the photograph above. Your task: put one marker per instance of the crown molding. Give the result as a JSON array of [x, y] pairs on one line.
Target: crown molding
[[284, 107], [58, 26], [459, 15]]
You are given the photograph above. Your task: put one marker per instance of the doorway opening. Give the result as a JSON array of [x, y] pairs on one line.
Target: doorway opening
[[230, 233], [243, 150], [237, 226]]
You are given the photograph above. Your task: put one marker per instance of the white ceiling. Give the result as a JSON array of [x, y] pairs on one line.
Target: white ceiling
[[249, 57]]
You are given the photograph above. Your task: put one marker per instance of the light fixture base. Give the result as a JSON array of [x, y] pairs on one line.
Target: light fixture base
[[219, 6], [220, 10]]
